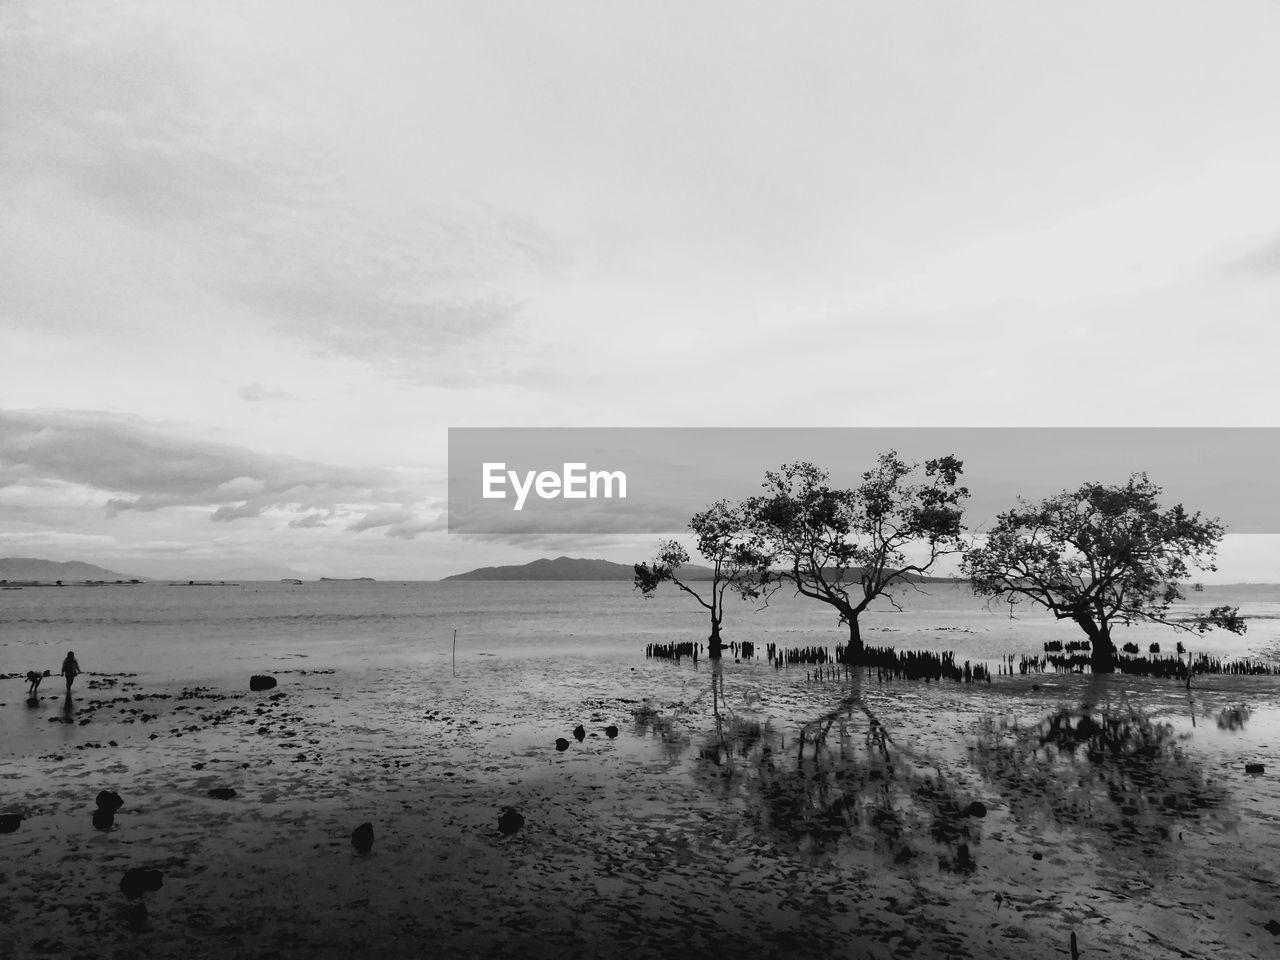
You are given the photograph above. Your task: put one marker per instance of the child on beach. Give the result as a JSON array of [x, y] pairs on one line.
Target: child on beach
[[33, 679], [70, 668]]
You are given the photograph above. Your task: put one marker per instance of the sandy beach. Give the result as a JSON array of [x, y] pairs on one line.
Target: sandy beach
[[764, 814]]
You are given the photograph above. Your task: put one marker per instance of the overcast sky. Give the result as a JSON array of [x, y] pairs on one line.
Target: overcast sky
[[256, 258]]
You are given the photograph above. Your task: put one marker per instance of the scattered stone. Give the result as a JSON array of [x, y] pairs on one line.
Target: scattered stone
[[261, 682], [362, 838], [222, 793], [1254, 768], [1037, 856], [562, 744], [1273, 928], [103, 818], [109, 800], [580, 733], [9, 822], [135, 916], [977, 809], [510, 822], [139, 880], [611, 731]]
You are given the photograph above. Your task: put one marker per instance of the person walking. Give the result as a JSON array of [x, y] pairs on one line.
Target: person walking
[[70, 669]]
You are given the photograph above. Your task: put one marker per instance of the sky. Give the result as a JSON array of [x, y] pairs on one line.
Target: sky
[[257, 258]]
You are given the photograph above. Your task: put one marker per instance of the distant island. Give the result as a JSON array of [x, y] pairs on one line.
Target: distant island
[[574, 568], [32, 570], [344, 579], [567, 568]]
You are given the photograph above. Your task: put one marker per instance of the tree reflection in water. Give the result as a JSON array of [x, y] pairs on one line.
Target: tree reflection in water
[[1107, 771], [841, 786], [1233, 718]]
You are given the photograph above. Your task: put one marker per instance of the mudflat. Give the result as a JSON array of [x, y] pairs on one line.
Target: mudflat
[[740, 812]]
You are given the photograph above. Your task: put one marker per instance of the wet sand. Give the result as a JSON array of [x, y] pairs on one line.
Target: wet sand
[[757, 815]]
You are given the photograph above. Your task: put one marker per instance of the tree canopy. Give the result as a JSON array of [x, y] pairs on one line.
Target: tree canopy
[[724, 542], [847, 546], [1101, 555]]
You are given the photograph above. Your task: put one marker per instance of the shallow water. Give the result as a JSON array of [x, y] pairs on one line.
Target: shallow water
[[201, 633], [759, 813]]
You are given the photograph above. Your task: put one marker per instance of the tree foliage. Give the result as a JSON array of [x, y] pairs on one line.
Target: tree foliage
[[845, 547], [1099, 556], [724, 541]]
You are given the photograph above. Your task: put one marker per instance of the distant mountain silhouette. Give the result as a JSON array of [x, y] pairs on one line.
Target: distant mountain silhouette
[[29, 569], [572, 568], [568, 568]]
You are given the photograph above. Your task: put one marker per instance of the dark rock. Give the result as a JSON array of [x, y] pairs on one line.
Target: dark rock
[[362, 838], [109, 800], [977, 809], [510, 822], [103, 818], [561, 744], [580, 733], [1254, 768], [611, 731], [1037, 856], [261, 682], [1273, 928], [9, 822], [222, 793], [139, 880], [135, 916]]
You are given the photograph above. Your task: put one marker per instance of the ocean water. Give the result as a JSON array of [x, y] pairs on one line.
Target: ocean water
[[786, 795], [209, 634]]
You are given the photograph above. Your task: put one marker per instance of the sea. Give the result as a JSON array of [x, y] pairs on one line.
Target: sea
[[195, 634], [1109, 806]]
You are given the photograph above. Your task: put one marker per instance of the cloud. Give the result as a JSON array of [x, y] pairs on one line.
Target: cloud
[[257, 393], [310, 520], [132, 465], [383, 517], [1261, 263], [149, 119], [399, 523], [239, 511], [410, 529]]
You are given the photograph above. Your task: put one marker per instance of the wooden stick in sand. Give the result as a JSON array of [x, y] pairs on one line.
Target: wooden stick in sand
[[455, 651]]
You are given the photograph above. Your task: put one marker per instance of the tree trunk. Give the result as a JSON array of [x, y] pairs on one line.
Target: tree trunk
[[1102, 658], [853, 652], [714, 646]]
